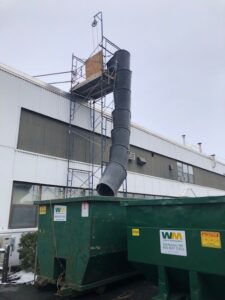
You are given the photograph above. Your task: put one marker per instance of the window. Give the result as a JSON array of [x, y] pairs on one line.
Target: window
[[185, 173], [42, 134], [76, 192], [190, 174], [51, 192], [23, 212]]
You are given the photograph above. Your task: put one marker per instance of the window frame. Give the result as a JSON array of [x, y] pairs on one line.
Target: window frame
[[185, 172]]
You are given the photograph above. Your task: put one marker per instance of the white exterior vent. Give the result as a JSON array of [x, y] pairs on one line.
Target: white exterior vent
[[132, 156]]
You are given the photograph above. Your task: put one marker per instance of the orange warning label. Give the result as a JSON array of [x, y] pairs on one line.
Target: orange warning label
[[211, 239]]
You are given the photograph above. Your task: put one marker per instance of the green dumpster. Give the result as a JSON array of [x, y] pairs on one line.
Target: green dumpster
[[183, 239], [82, 243]]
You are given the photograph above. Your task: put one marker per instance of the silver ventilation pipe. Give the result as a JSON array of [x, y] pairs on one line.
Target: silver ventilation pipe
[[200, 147], [116, 169]]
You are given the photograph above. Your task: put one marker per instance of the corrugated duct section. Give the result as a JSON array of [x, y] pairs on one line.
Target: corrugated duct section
[[116, 169]]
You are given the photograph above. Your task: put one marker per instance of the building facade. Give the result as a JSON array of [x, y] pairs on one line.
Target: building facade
[[34, 147]]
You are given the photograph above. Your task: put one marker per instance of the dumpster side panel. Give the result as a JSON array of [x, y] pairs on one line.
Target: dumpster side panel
[[193, 221], [84, 243], [77, 244], [108, 228], [185, 240], [108, 249], [60, 242], [45, 248]]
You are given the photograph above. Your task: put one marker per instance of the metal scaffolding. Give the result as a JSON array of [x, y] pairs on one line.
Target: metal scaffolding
[[90, 91], [94, 92]]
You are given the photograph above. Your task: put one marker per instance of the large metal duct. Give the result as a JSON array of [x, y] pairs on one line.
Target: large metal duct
[[116, 169]]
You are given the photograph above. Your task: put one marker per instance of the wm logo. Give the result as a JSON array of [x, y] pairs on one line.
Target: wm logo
[[60, 210], [168, 235]]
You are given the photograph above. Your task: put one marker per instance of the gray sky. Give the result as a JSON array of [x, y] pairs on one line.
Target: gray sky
[[177, 48]]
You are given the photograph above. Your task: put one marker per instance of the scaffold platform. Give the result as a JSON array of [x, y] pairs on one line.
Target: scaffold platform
[[95, 87]]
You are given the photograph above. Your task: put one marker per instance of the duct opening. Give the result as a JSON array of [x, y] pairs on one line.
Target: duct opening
[[104, 189], [116, 169]]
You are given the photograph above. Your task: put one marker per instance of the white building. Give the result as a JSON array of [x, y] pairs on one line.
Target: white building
[[34, 121]]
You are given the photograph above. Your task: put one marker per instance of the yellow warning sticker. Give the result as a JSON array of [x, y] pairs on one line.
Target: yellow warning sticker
[[135, 232], [42, 210], [211, 239]]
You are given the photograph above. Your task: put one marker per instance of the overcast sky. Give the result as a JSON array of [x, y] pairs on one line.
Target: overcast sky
[[177, 48]]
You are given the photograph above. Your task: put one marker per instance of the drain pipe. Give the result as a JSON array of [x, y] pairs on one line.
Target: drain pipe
[[116, 170]]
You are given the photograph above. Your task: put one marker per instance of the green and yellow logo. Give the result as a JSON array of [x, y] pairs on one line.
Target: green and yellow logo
[[172, 235], [60, 210]]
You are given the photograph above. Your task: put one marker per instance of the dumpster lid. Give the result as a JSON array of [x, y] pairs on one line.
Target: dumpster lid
[[81, 199], [174, 201]]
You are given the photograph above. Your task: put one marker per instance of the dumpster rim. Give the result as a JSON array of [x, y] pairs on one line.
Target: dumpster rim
[[81, 199], [175, 201]]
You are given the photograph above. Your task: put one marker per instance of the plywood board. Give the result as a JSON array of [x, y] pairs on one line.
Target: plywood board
[[94, 65]]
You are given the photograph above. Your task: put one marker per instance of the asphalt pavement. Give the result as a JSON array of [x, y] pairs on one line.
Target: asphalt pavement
[[138, 289]]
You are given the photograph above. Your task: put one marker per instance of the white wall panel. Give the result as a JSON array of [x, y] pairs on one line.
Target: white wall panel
[[43, 101], [9, 110], [48, 170], [36, 168], [43, 169], [6, 175], [157, 144], [144, 184]]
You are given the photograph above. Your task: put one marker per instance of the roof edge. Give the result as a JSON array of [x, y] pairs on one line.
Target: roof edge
[[35, 81]]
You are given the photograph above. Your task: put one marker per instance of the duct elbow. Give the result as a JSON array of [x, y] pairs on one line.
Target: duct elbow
[[112, 179]]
